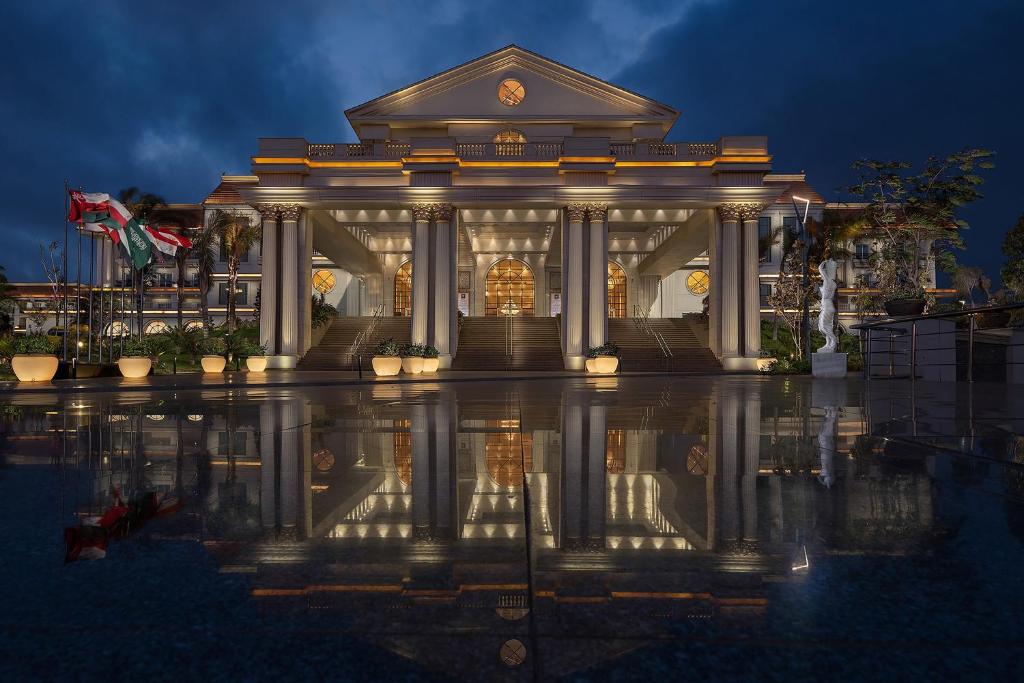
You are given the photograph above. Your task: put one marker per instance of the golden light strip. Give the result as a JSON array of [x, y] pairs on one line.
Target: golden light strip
[[514, 164]]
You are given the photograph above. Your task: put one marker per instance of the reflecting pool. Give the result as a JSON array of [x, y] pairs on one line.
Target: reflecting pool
[[719, 528]]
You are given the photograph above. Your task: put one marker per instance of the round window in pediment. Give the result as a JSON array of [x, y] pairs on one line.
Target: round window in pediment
[[511, 92], [510, 135]]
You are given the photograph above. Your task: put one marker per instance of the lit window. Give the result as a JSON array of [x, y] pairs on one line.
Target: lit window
[[324, 281], [511, 92], [698, 282], [157, 327], [510, 135]]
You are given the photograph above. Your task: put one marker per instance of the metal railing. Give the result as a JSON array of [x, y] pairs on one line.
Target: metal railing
[[367, 332], [902, 337], [642, 320], [505, 150]]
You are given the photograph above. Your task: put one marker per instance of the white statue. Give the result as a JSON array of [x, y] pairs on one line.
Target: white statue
[[827, 446], [827, 317]]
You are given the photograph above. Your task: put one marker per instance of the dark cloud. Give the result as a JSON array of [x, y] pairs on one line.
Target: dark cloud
[[167, 95]]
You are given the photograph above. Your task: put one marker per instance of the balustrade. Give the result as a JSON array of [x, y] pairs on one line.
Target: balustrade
[[501, 150]]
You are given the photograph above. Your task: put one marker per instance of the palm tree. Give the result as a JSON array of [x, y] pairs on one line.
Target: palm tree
[[206, 262], [140, 205], [237, 235]]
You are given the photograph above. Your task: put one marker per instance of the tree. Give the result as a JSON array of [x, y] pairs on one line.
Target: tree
[[911, 213], [1012, 271], [237, 234], [140, 205], [202, 251], [789, 295], [6, 302]]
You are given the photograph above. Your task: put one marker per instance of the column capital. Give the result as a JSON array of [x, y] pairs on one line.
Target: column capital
[[576, 211], [597, 211], [443, 212], [268, 211], [290, 212], [422, 211], [738, 212]]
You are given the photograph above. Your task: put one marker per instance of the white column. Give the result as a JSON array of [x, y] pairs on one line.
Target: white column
[[444, 297], [597, 493], [751, 289], [420, 466], [598, 320], [289, 330], [290, 460], [420, 273], [268, 280], [268, 513], [715, 292], [305, 284], [730, 283], [751, 459], [572, 296], [572, 468]]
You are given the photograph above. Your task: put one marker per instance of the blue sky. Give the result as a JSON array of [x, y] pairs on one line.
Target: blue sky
[[166, 96]]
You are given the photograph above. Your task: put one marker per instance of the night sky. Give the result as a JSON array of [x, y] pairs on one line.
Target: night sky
[[166, 96]]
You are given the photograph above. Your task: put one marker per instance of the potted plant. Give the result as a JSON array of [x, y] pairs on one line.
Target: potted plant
[[135, 360], [765, 361], [35, 358], [387, 358], [430, 360], [604, 359], [905, 300], [255, 355], [412, 359], [213, 349]]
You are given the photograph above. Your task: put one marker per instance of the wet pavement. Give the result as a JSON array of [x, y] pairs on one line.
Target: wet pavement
[[711, 528]]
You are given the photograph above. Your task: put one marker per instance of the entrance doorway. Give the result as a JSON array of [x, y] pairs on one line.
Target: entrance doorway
[[403, 290], [616, 290], [510, 288]]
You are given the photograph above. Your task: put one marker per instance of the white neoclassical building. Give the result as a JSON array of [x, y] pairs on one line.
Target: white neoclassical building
[[514, 183]]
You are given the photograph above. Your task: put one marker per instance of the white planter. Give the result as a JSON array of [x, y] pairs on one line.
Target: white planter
[[256, 363], [213, 363], [34, 367], [430, 365], [412, 365], [603, 365], [134, 366], [386, 366]]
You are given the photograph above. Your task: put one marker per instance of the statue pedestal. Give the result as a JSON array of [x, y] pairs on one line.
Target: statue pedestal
[[828, 364]]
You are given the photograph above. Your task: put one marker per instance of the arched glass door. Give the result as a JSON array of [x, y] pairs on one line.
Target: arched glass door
[[510, 288], [403, 290], [616, 290]]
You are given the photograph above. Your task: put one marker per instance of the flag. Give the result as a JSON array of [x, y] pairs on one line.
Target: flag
[[99, 212], [167, 241]]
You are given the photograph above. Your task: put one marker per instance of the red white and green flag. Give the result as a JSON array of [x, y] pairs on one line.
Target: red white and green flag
[[167, 241], [99, 212]]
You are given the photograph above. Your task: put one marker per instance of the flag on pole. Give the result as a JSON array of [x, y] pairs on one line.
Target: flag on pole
[[99, 212], [167, 241]]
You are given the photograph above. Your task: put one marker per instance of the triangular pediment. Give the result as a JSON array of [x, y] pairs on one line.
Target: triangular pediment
[[554, 93]]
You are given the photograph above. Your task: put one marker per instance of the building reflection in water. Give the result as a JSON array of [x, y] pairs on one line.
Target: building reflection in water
[[414, 494]]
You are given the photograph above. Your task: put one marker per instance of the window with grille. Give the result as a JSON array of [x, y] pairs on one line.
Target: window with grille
[[510, 289], [403, 290], [616, 291]]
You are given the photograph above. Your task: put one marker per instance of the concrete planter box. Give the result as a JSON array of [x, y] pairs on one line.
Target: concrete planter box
[[134, 366], [34, 367], [256, 363], [413, 365], [213, 364], [602, 365], [386, 366], [430, 365]]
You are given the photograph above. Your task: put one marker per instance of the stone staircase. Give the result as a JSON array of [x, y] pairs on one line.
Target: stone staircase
[[332, 353], [640, 351], [535, 344]]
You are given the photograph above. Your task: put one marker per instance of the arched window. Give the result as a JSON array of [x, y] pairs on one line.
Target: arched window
[[510, 135], [403, 451], [615, 451], [157, 327], [616, 290], [510, 288], [194, 325], [507, 453], [403, 290]]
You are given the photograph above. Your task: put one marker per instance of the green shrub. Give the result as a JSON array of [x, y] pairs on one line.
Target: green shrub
[[133, 346], [388, 347], [429, 351], [35, 343], [322, 312], [414, 351], [213, 346], [606, 349]]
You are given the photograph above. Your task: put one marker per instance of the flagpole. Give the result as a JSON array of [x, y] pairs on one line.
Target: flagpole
[[66, 224], [78, 304], [121, 310]]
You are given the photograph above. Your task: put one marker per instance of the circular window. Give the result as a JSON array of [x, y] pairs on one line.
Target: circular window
[[324, 281], [511, 92], [323, 460], [698, 282]]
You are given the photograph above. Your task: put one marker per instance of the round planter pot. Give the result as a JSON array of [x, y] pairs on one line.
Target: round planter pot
[[430, 365], [898, 308], [386, 366], [764, 364], [134, 366], [33, 367], [256, 363], [413, 365], [603, 365], [213, 363]]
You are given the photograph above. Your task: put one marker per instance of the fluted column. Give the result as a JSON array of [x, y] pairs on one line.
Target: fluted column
[[597, 494], [729, 258], [305, 284], [715, 292], [420, 273], [269, 267], [421, 475], [751, 458], [291, 459], [751, 283], [573, 289], [443, 268], [268, 467], [289, 305], [598, 252]]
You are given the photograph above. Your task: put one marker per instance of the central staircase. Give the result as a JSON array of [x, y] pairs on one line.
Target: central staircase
[[640, 350], [334, 352], [483, 344]]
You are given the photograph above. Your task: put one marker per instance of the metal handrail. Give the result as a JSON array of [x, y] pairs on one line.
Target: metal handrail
[[943, 314], [357, 343], [643, 322]]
